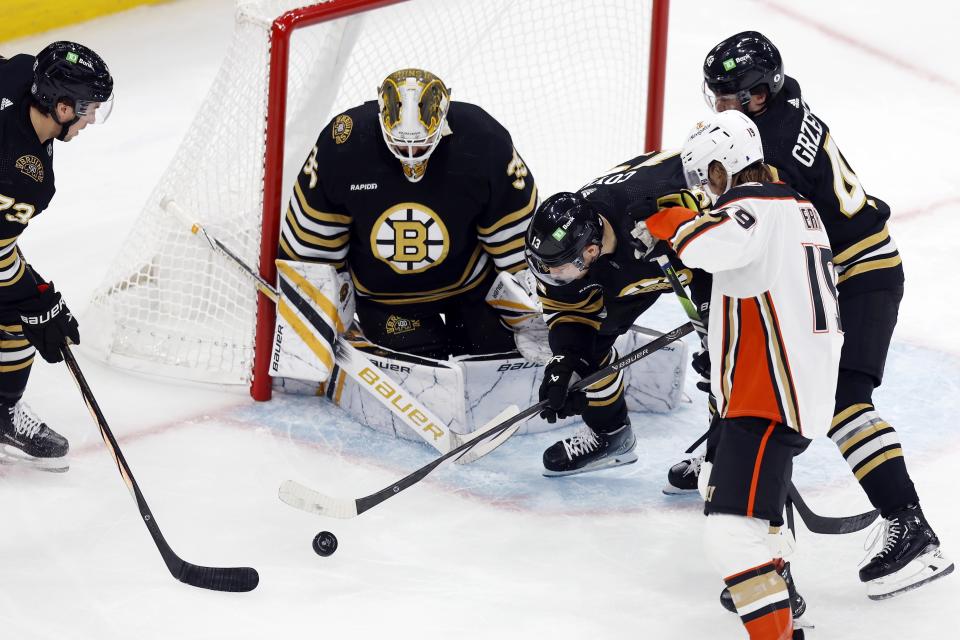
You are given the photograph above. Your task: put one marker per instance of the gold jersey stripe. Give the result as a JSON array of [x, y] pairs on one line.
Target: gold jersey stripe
[[849, 411], [471, 265], [869, 265], [337, 242], [877, 461], [9, 260], [511, 246], [7, 368], [320, 216], [864, 433], [416, 299], [6, 242], [577, 319], [13, 344], [877, 238], [15, 279], [510, 218], [606, 401]]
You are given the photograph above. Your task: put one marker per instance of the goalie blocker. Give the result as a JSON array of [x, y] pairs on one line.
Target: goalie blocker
[[464, 391]]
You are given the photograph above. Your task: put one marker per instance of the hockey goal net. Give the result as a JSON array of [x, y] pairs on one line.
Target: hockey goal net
[[578, 83]]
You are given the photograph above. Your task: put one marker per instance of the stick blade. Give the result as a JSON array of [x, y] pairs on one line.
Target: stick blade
[[233, 579], [306, 499], [486, 446]]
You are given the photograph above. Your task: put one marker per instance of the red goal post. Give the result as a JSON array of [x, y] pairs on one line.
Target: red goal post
[[281, 30]]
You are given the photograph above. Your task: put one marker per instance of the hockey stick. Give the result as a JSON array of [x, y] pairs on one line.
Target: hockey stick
[[355, 364], [830, 525], [215, 578], [302, 497]]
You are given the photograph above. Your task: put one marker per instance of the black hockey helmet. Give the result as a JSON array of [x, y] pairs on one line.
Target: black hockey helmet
[[67, 71], [740, 64], [561, 228]]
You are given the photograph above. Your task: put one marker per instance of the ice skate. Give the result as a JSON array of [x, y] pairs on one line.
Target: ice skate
[[587, 450], [682, 477], [909, 557], [25, 439]]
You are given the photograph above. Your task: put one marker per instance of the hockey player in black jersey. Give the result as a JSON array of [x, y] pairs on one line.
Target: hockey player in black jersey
[[593, 287], [423, 200], [745, 72], [53, 95]]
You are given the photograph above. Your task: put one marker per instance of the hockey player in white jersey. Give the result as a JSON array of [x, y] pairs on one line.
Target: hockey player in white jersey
[[774, 339]]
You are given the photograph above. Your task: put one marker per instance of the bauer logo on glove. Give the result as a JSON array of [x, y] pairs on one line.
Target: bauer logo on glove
[[47, 323]]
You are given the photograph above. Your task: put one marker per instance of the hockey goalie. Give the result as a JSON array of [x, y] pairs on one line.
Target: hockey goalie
[[421, 269]]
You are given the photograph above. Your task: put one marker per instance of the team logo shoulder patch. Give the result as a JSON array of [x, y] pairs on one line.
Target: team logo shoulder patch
[[31, 167], [410, 237], [342, 128], [396, 324]]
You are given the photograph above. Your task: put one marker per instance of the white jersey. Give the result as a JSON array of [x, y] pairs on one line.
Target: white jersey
[[774, 327]]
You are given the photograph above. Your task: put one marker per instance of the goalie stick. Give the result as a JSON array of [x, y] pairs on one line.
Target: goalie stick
[[815, 523], [214, 578], [355, 363], [306, 499]]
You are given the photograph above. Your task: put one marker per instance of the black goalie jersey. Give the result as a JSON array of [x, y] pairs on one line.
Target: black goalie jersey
[[799, 146], [411, 243], [26, 176], [618, 287]]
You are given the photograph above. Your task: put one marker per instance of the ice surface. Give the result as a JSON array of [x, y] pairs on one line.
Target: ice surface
[[493, 550]]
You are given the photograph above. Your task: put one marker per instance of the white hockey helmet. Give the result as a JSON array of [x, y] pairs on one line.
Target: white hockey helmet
[[730, 138], [413, 115]]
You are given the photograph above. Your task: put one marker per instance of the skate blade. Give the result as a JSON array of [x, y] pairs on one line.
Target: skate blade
[[671, 490], [20, 459], [927, 567], [604, 463]]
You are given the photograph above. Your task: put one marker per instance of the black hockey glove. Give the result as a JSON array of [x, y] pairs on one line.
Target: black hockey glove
[[48, 323], [555, 388], [701, 364]]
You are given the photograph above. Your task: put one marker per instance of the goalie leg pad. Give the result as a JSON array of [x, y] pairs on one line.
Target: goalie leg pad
[[315, 305]]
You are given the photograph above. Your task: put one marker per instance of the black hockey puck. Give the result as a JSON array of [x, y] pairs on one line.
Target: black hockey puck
[[324, 543]]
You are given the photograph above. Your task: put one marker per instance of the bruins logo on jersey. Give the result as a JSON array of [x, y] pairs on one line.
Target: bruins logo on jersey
[[396, 324], [410, 238], [31, 167], [342, 127]]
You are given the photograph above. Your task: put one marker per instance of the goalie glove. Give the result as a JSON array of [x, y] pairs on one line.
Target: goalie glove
[[47, 323], [515, 299]]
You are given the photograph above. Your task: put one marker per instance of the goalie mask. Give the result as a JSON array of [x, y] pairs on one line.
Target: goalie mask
[[729, 138], [564, 225], [413, 115]]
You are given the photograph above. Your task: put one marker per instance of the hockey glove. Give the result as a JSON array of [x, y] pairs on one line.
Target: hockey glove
[[693, 199], [643, 242], [701, 364], [48, 323], [555, 388]]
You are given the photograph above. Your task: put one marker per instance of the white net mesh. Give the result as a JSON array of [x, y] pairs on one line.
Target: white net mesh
[[566, 77]]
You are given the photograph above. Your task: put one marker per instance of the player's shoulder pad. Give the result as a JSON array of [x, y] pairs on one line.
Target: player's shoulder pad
[[16, 75], [352, 127], [476, 127]]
